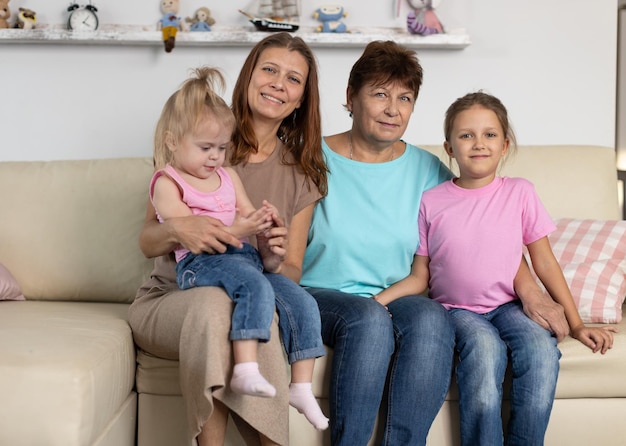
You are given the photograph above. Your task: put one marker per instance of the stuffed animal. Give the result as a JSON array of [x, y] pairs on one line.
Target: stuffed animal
[[170, 23], [201, 20], [423, 20], [330, 16], [5, 14], [26, 19]]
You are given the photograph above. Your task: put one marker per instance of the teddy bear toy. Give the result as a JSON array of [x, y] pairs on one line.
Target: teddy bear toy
[[26, 19], [170, 23], [5, 14], [330, 16], [423, 20], [201, 20]]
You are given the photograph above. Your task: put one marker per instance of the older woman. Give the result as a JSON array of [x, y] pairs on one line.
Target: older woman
[[362, 240]]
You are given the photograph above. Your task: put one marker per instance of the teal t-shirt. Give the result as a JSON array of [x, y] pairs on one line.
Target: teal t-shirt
[[364, 233]]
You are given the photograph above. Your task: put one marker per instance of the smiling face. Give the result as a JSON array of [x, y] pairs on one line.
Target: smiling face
[[202, 152], [478, 143], [381, 113], [277, 83]]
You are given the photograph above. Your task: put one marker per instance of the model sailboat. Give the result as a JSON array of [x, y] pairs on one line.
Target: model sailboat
[[273, 15]]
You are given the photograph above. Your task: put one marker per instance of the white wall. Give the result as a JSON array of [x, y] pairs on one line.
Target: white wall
[[552, 63]]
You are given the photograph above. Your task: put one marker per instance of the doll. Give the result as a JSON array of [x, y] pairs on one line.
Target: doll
[[423, 20], [201, 20], [170, 23], [330, 16]]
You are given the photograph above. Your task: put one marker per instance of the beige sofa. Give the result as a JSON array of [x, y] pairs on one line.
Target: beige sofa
[[71, 375]]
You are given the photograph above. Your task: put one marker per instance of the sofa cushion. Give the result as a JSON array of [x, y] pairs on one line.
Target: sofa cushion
[[592, 254], [69, 229], [9, 288], [67, 369]]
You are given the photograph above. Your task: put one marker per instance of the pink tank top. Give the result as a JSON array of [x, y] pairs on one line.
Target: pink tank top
[[220, 203]]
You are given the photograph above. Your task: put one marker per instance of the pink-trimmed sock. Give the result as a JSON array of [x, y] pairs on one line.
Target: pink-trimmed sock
[[247, 380], [301, 397]]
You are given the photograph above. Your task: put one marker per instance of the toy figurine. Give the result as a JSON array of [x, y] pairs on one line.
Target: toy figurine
[[170, 23], [201, 20], [330, 16], [26, 19], [5, 14], [423, 20]]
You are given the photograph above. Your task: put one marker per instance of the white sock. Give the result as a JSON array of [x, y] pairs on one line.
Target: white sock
[[301, 397], [247, 380]]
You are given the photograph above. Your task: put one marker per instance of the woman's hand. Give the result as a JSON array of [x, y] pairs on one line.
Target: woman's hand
[[272, 244], [196, 233]]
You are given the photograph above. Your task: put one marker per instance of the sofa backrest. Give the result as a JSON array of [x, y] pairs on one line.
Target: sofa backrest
[[69, 229], [572, 181]]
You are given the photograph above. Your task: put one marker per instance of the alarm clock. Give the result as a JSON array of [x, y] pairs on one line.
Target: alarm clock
[[82, 18]]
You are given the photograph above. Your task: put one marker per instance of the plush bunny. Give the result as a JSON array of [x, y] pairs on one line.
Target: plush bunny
[[330, 16], [201, 20], [423, 20], [5, 14]]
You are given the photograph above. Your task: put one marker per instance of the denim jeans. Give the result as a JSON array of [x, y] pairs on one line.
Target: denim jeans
[[484, 343], [239, 272], [402, 358], [298, 319]]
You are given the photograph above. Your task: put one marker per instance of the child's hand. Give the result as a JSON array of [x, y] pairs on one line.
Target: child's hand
[[598, 339], [252, 224]]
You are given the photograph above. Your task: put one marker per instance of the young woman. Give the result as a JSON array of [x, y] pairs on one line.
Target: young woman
[[276, 106]]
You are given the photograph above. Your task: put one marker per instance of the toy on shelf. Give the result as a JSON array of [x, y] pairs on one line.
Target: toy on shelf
[[423, 20], [330, 16], [5, 14], [273, 15], [201, 20], [26, 19], [170, 23]]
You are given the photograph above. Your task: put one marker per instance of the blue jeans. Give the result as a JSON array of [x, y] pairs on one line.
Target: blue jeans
[[256, 294], [240, 272], [484, 343], [299, 320], [405, 360]]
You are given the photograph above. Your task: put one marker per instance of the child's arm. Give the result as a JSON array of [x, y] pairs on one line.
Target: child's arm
[[167, 199], [549, 271], [248, 221], [415, 283]]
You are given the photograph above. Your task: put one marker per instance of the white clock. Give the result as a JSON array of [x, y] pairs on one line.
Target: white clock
[[82, 18]]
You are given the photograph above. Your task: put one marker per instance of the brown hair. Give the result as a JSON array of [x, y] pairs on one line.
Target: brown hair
[[383, 62], [301, 131], [184, 110], [488, 102]]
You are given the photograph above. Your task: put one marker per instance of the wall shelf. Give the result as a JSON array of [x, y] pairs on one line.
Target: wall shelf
[[229, 36]]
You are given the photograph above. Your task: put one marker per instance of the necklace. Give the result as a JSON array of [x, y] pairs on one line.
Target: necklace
[[350, 146]]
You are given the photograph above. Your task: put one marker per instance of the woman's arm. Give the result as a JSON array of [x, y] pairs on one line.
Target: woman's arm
[[283, 248], [196, 233], [537, 306]]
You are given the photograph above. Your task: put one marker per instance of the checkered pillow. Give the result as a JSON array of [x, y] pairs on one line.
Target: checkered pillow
[[592, 254]]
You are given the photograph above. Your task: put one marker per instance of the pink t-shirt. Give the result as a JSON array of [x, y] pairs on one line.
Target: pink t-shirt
[[475, 237], [220, 203]]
